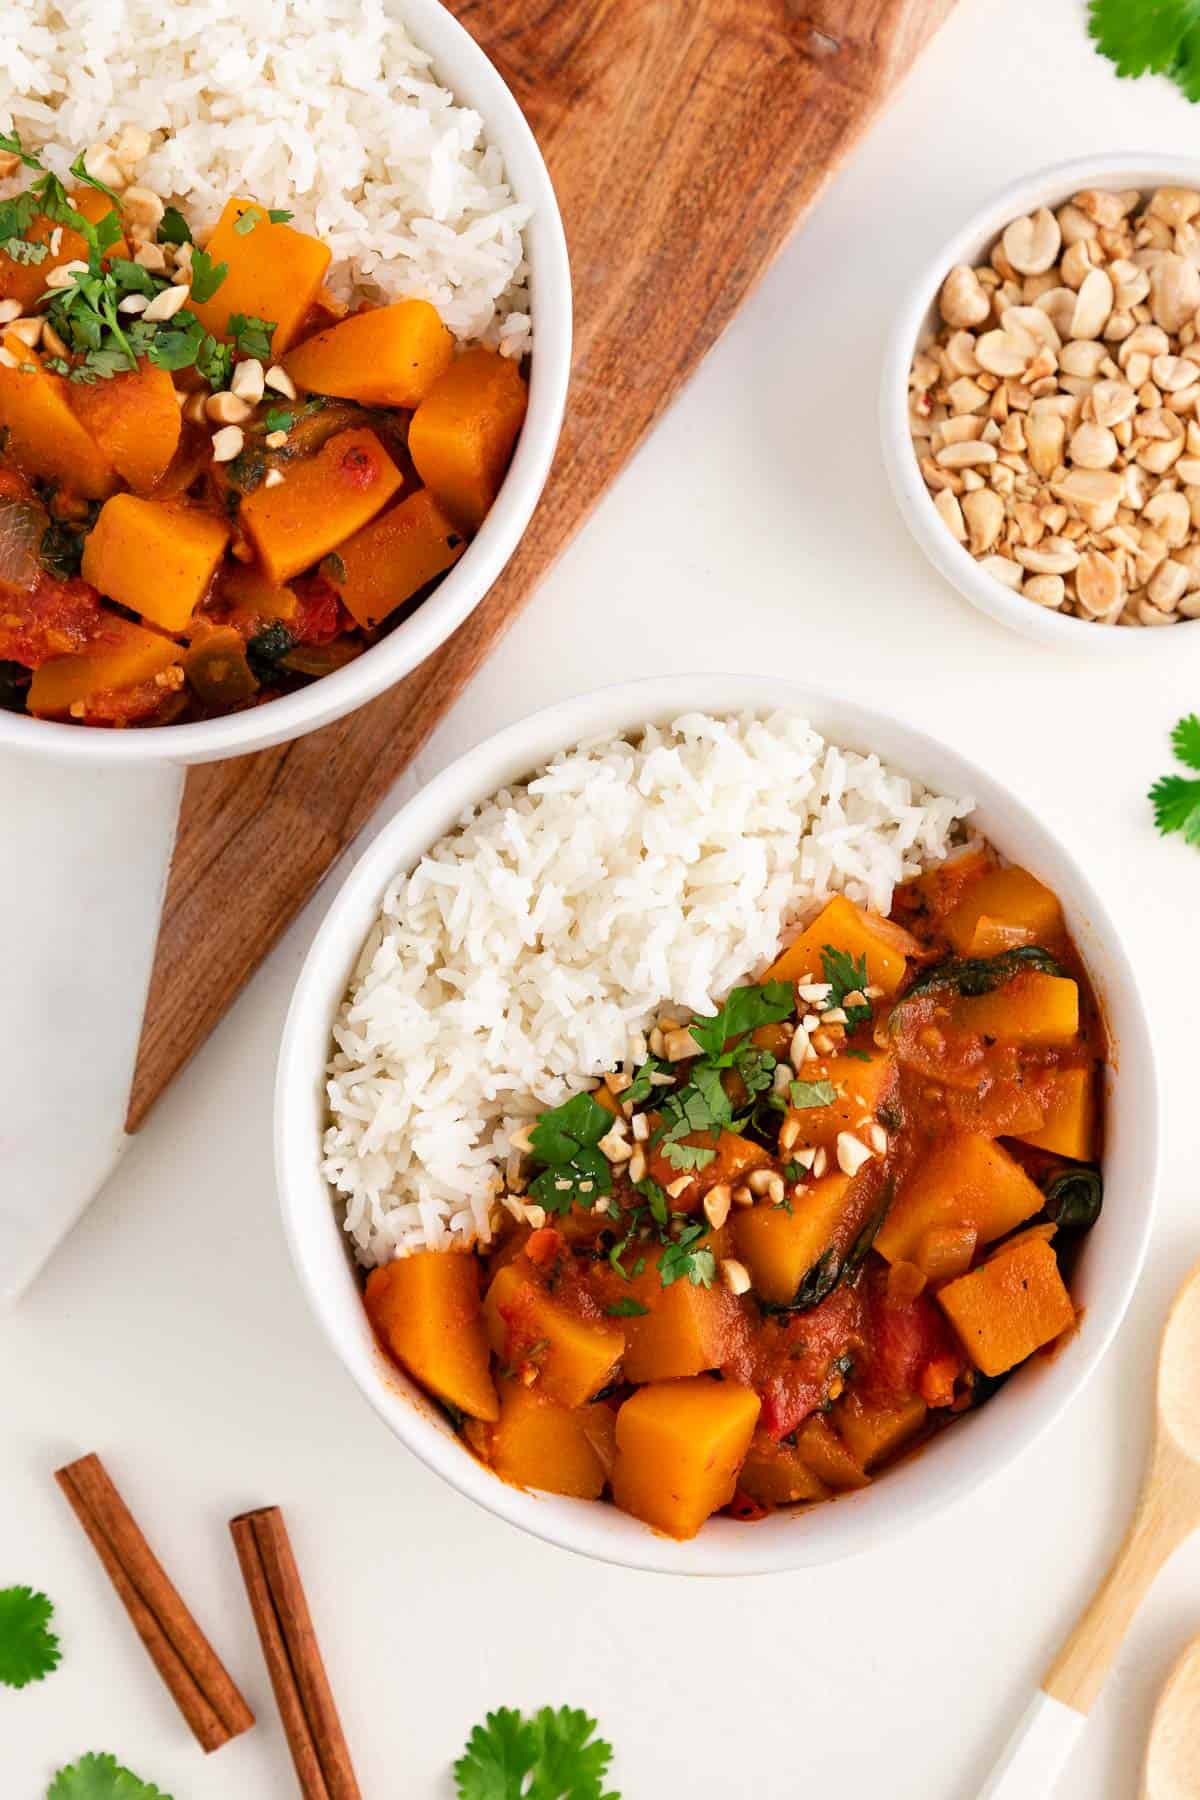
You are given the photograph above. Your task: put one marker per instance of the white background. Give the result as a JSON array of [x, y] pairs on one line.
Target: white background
[[753, 533]]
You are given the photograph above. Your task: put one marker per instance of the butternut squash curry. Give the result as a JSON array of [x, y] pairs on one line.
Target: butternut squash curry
[[216, 483], [803, 1236]]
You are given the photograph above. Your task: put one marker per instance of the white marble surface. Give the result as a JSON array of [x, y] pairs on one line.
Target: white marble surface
[[754, 531]]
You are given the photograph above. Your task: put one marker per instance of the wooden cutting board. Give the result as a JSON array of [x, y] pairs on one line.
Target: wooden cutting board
[[686, 139]]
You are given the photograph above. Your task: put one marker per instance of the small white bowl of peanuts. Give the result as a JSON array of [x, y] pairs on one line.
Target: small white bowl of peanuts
[[1041, 404]]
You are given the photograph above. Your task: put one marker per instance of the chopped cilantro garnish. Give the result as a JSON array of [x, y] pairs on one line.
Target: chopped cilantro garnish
[[846, 976], [279, 419], [804, 1094], [252, 336], [564, 1140], [174, 228], [10, 141], [627, 1308], [681, 1259], [80, 172], [28, 1648], [206, 278], [745, 1010], [279, 215], [553, 1756]]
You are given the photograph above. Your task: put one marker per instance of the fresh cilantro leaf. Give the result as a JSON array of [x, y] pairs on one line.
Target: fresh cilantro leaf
[[252, 336], [28, 1648], [177, 343], [1187, 65], [745, 1010], [132, 278], [642, 1087], [174, 228], [107, 231], [655, 1199], [627, 1308], [688, 1157], [846, 976], [27, 254], [756, 1068], [214, 361], [804, 1094], [680, 1259], [99, 1776], [1185, 741], [279, 215], [279, 419], [565, 1140], [10, 141], [553, 1756], [206, 278], [80, 173], [1142, 36], [1175, 798]]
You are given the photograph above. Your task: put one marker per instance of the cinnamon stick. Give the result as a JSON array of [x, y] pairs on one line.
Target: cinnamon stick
[[194, 1674], [310, 1719]]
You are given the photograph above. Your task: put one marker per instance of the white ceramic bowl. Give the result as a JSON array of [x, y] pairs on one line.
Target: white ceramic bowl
[[915, 324], [976, 1448], [462, 65]]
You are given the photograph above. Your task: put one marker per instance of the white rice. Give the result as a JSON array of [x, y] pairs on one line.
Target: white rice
[[516, 962], [325, 107]]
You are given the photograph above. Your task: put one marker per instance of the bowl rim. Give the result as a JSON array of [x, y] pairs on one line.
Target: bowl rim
[[915, 1490], [473, 78], [1051, 186]]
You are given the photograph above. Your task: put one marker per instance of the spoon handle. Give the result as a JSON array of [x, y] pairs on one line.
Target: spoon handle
[[1036, 1753]]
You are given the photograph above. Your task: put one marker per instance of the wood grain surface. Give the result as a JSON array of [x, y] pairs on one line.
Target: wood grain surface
[[694, 135]]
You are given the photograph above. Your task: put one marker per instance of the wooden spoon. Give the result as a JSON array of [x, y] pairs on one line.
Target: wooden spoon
[[1172, 1769], [1168, 1511]]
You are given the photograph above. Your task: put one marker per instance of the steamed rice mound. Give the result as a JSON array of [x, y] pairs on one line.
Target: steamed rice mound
[[528, 948], [324, 107]]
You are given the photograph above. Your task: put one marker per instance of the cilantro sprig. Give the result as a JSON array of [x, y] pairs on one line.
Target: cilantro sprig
[[1150, 37], [1176, 798], [11, 141], [685, 1258], [702, 1102], [564, 1140], [99, 1776], [847, 976], [552, 1756], [28, 1648]]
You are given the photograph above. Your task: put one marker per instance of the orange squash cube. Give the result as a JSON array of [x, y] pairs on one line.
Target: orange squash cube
[[1033, 1008], [44, 437], [828, 1457], [1008, 897], [462, 434], [386, 356], [1010, 1306], [425, 1310], [945, 1251], [275, 273], [536, 1443], [680, 1445], [874, 1433], [124, 656], [862, 1086], [26, 282], [844, 926], [684, 1330], [157, 557], [971, 1182], [777, 1474], [778, 1247], [134, 419], [322, 501], [1070, 1127], [393, 557], [573, 1357]]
